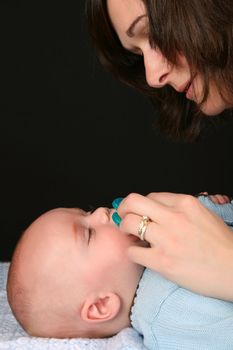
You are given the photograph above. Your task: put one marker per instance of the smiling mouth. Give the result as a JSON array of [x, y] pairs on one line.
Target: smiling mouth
[[187, 87], [190, 83]]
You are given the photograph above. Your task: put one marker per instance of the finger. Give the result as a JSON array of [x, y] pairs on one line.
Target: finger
[[218, 199], [227, 199], [141, 205], [147, 257], [221, 199], [164, 198], [167, 198], [131, 222], [214, 199]]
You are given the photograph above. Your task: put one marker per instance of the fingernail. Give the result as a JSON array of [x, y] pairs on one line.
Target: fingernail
[[117, 202], [116, 218]]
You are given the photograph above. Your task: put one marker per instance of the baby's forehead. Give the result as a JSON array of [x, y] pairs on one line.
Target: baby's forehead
[[65, 210], [62, 213], [56, 220]]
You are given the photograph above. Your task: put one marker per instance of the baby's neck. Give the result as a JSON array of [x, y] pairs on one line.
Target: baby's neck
[[135, 293]]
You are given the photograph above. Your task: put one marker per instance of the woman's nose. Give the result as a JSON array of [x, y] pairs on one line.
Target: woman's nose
[[157, 68]]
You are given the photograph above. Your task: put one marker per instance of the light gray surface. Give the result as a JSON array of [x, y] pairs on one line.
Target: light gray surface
[[12, 336]]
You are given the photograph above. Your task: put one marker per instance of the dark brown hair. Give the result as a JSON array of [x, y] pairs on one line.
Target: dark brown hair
[[202, 30]]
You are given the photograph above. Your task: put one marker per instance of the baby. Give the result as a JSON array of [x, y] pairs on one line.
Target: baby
[[70, 277]]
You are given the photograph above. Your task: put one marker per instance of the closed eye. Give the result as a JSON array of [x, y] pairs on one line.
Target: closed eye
[[91, 233]]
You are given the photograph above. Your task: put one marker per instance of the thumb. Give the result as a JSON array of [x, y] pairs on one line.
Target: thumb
[[144, 256]]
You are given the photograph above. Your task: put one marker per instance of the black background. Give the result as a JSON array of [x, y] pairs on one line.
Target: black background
[[73, 136]]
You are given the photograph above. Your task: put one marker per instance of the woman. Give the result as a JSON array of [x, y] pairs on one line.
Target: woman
[[180, 54]]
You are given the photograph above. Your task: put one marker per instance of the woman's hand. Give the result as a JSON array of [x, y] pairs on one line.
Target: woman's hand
[[189, 244]]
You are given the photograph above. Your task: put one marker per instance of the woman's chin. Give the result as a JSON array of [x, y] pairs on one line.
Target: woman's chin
[[212, 109]]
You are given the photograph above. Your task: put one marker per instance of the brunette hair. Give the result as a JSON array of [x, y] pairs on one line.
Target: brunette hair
[[202, 30]]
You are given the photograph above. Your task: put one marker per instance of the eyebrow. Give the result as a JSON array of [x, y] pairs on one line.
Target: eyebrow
[[130, 30]]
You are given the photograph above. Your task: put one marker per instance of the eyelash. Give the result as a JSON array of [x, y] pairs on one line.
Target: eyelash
[[91, 231], [146, 33]]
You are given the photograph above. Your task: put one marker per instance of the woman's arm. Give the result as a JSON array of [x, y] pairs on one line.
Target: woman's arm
[[189, 244]]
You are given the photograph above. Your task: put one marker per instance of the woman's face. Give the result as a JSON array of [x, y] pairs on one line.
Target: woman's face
[[131, 25]]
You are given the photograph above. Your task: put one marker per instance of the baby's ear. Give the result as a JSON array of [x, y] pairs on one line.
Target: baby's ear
[[101, 308]]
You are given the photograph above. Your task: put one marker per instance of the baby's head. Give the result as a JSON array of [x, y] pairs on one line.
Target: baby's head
[[70, 275]]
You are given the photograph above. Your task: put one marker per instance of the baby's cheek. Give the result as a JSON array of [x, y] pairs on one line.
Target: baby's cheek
[[112, 252], [111, 237]]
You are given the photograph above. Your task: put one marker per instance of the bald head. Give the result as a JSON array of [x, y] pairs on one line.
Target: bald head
[[66, 266], [39, 280]]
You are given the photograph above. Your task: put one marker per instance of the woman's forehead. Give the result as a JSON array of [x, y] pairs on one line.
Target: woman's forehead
[[124, 12]]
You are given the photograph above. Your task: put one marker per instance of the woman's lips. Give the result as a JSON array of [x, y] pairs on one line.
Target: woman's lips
[[189, 92]]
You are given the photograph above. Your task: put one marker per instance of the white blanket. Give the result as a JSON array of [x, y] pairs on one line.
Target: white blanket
[[13, 337]]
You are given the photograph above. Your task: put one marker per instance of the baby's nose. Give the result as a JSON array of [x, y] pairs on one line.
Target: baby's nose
[[102, 215]]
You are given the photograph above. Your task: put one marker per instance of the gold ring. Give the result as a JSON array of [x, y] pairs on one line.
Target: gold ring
[[143, 226]]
